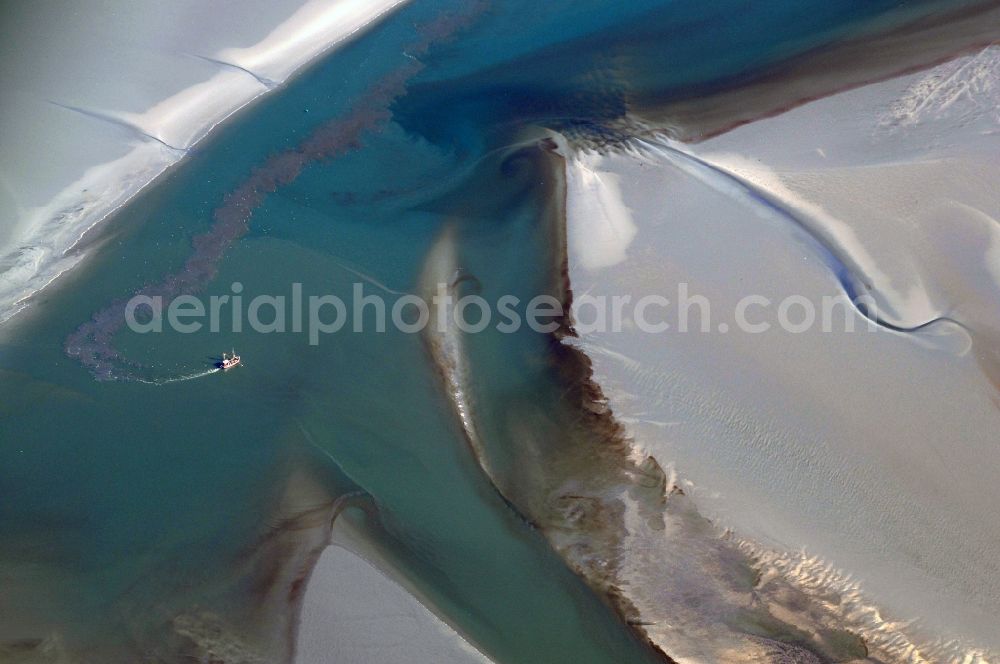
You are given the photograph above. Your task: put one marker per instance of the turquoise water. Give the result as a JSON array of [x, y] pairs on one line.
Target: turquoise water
[[124, 503]]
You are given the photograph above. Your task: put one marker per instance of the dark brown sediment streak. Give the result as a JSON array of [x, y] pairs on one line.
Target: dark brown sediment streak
[[584, 477], [92, 344], [572, 495], [282, 562], [587, 397], [269, 581], [699, 114], [248, 609]]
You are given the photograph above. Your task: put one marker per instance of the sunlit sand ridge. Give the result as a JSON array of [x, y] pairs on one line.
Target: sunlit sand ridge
[[45, 239]]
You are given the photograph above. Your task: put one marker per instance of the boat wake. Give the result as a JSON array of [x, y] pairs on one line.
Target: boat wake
[[179, 379]]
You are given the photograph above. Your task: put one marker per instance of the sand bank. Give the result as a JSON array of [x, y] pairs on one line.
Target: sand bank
[[124, 92], [867, 456], [352, 612]]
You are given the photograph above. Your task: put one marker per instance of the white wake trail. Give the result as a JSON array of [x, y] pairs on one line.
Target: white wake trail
[[178, 379]]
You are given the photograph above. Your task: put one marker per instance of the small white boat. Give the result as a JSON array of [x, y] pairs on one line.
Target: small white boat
[[229, 361]]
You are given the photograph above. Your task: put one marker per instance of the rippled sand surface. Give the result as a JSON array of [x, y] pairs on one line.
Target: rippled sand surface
[[544, 495]]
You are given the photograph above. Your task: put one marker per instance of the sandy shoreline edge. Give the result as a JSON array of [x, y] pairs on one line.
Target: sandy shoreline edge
[[52, 239], [371, 597], [163, 147]]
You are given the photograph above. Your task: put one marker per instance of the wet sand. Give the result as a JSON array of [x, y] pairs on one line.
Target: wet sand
[[855, 463], [354, 613]]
